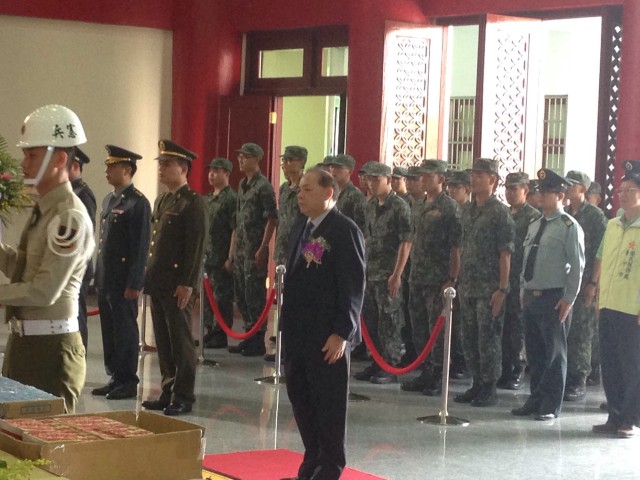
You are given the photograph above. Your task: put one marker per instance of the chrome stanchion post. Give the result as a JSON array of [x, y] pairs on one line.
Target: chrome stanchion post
[[142, 345], [443, 418], [203, 275], [277, 377]]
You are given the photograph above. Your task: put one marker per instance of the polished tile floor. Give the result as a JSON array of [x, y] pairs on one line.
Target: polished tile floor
[[384, 437]]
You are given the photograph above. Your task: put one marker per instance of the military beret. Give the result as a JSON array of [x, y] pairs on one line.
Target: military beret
[[294, 151], [399, 172], [434, 166], [328, 160], [550, 181], [377, 169], [415, 171], [579, 177], [489, 165], [81, 157], [458, 177], [221, 163], [594, 189], [631, 170], [344, 160], [252, 149], [516, 178], [171, 151], [118, 155]]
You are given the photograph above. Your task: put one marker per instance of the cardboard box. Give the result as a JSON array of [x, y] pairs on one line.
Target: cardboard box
[[174, 452], [22, 401]]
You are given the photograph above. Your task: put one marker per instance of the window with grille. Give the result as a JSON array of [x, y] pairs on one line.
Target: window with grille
[[461, 123], [555, 132]]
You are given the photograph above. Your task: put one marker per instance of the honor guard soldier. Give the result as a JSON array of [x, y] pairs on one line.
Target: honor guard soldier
[[218, 258], [351, 201], [125, 230], [550, 281], [44, 348], [88, 199], [173, 272]]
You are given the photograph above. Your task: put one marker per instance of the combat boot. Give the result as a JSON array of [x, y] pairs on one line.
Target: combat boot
[[417, 384], [434, 388], [366, 374], [503, 381], [593, 379], [487, 396], [575, 391], [469, 394], [516, 380]]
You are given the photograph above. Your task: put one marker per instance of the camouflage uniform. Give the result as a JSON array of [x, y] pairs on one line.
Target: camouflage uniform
[[351, 202], [583, 322], [513, 358], [221, 211], [288, 212], [256, 204], [487, 230], [436, 230], [387, 226]]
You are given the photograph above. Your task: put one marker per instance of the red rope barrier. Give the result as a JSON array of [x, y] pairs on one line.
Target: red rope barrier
[[91, 313], [416, 363], [238, 336]]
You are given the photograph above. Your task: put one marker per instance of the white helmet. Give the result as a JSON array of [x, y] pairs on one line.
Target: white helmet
[[52, 126]]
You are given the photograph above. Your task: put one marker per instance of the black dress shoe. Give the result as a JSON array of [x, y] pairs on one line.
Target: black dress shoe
[[122, 392], [516, 381], [434, 388], [215, 341], [237, 348], [545, 416], [384, 378], [417, 384], [487, 396], [457, 371], [254, 350], [177, 408], [524, 410], [102, 391], [468, 395], [155, 404]]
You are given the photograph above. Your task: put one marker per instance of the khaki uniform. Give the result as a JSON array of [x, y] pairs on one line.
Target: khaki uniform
[[46, 275]]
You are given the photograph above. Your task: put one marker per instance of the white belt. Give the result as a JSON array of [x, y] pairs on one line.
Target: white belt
[[43, 327]]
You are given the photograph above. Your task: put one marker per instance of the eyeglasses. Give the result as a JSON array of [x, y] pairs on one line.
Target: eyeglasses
[[620, 191]]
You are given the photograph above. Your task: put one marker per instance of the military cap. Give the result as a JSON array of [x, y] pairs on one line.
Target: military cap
[[534, 186], [81, 157], [294, 151], [579, 177], [365, 168], [377, 169], [118, 155], [399, 172], [631, 170], [516, 178], [171, 151], [550, 181], [489, 165], [458, 177], [344, 160], [594, 189], [221, 163], [328, 160], [252, 149], [434, 166], [415, 171]]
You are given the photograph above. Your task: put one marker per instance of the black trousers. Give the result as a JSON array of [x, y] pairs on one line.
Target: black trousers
[[546, 345], [120, 337], [82, 305], [318, 394], [620, 361], [176, 347]]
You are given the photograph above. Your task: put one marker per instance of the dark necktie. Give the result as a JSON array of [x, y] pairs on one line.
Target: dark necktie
[[533, 253], [303, 238]]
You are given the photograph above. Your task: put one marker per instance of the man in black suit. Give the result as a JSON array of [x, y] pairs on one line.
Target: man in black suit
[[125, 228], [322, 300]]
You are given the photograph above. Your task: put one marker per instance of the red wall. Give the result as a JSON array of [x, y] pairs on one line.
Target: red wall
[[444, 8]]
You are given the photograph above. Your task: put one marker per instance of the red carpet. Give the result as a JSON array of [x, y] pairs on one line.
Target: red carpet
[[263, 465]]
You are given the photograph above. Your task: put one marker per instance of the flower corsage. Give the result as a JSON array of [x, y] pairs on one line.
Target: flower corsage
[[314, 250]]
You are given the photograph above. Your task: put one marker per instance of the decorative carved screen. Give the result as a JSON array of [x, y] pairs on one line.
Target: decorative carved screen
[[612, 124], [462, 111]]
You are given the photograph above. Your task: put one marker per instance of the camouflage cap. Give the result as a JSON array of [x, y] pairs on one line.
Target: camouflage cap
[[415, 171], [399, 172], [579, 177], [365, 168], [344, 160], [328, 160], [550, 181], [295, 151], [377, 169], [460, 177], [252, 149], [631, 170], [489, 165], [434, 166], [516, 178], [221, 163], [594, 189]]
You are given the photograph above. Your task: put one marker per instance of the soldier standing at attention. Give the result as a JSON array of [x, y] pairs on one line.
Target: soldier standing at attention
[[88, 199], [513, 358], [435, 261], [584, 319], [173, 271], [256, 220], [459, 187], [125, 230], [487, 244], [399, 183], [388, 243], [351, 201], [550, 281], [44, 348], [218, 258]]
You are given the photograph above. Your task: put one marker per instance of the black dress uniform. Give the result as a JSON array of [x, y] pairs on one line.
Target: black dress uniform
[[125, 229], [175, 257], [88, 199]]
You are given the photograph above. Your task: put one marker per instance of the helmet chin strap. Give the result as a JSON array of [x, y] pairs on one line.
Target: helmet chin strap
[[45, 163]]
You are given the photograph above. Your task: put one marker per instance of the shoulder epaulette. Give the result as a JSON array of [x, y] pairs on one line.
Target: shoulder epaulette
[[567, 220]]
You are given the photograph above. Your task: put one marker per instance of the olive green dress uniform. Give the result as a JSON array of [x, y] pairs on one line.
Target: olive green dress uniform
[[351, 203], [45, 280], [175, 257], [288, 213]]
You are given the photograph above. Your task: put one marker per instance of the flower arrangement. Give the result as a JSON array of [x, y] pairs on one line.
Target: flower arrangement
[[314, 250], [12, 193]]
